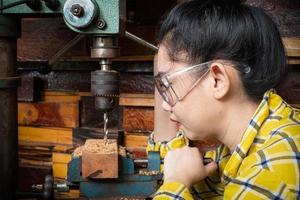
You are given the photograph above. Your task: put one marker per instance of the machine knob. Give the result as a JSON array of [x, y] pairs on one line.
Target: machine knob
[[80, 13]]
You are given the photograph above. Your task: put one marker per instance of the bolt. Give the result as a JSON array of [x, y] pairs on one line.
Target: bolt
[[77, 10], [37, 186], [101, 23]]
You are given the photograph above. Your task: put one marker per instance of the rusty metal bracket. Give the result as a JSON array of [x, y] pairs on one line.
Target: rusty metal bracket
[[10, 82]]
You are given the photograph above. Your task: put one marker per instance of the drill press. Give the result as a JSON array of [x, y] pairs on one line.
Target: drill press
[[105, 82], [105, 87], [88, 16], [99, 19]]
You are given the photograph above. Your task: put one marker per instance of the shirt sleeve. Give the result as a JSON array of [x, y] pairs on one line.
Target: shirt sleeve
[[171, 190], [177, 142], [175, 190]]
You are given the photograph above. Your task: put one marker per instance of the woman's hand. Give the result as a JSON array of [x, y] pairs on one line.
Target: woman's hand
[[185, 165]]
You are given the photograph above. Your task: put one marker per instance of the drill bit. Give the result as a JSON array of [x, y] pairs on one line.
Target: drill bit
[[105, 130]]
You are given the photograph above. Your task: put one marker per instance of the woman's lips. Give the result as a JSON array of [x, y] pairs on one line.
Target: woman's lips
[[173, 120]]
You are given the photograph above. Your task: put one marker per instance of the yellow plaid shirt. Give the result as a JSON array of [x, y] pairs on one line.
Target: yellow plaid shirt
[[265, 165]]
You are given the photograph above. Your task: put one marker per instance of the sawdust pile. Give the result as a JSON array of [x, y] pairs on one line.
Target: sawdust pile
[[99, 146]]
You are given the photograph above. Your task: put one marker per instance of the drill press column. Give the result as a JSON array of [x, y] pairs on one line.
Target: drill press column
[[9, 32]]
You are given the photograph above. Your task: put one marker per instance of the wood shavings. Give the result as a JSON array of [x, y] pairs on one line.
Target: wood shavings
[[100, 146], [97, 146]]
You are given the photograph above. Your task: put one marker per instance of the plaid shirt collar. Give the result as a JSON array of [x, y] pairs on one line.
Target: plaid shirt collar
[[266, 106]]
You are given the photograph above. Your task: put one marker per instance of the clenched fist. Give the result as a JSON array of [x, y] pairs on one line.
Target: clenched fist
[[185, 165]]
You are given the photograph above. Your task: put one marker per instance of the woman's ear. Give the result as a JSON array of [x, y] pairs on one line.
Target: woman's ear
[[221, 80]]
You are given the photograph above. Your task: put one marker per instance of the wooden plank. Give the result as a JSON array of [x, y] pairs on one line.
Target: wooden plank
[[61, 157], [128, 99], [85, 94], [292, 46], [60, 170], [137, 78], [138, 119], [34, 148], [63, 149], [59, 93], [125, 58], [284, 13], [72, 194], [50, 146], [137, 82], [51, 114], [48, 96], [294, 61], [137, 152], [62, 80], [49, 136], [60, 98], [35, 154], [135, 141], [39, 163], [134, 58], [39, 42]]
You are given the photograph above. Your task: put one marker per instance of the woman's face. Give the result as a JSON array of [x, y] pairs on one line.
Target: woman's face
[[197, 113]]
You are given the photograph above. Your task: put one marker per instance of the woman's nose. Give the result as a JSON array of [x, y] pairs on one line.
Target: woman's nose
[[166, 106]]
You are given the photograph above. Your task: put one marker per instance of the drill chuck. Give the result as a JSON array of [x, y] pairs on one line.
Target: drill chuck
[[105, 86]]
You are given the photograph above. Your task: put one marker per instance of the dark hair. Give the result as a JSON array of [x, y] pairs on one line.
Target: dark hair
[[221, 29]]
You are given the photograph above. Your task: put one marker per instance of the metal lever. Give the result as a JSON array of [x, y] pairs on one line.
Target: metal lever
[[63, 50], [141, 41]]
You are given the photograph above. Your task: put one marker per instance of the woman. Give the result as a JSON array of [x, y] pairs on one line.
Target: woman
[[217, 65]]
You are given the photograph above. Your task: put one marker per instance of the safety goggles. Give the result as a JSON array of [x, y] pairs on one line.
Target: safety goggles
[[174, 86]]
